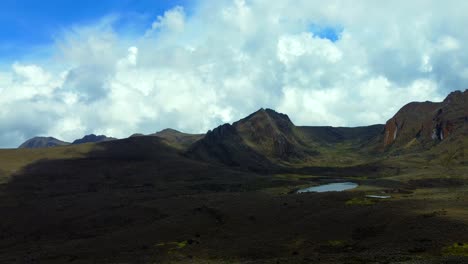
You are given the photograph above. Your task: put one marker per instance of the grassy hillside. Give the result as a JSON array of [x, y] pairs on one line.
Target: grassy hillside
[[14, 160]]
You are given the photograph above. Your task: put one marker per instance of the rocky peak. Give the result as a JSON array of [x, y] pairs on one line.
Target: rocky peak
[[221, 132], [271, 133], [456, 97]]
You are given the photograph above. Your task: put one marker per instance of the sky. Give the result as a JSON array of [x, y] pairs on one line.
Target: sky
[[71, 68]]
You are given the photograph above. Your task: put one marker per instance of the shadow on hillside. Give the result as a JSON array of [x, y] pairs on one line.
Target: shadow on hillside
[[126, 197]]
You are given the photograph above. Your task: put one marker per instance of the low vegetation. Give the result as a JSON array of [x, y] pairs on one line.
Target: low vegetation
[[457, 249]]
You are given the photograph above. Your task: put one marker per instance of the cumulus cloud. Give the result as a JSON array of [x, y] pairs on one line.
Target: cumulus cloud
[[173, 19], [225, 59]]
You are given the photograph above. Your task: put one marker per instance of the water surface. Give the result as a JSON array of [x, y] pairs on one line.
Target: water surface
[[379, 196], [331, 187]]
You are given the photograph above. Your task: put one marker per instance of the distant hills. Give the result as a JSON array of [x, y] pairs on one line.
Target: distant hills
[[43, 142], [47, 142], [178, 139], [267, 139], [92, 139]]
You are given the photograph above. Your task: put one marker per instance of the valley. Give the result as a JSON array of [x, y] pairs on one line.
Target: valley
[[230, 195]]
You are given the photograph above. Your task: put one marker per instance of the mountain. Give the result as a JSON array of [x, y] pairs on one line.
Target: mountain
[[272, 134], [92, 139], [268, 139], [259, 141], [425, 124], [226, 146], [178, 139], [43, 142]]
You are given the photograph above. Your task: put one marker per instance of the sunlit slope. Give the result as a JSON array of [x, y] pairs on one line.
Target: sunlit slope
[[13, 160]]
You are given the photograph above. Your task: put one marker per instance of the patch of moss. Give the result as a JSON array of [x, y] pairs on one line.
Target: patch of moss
[[182, 244], [174, 245], [337, 243], [359, 177], [457, 249], [360, 201]]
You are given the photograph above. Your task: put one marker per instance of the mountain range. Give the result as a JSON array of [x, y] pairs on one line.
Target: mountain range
[[266, 138], [47, 142]]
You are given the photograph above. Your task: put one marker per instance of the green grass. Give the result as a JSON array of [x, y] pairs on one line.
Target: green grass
[[457, 249], [337, 243], [173, 245], [13, 160], [294, 177], [360, 201]]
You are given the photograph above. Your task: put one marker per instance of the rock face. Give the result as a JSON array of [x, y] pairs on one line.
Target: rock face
[[224, 145], [92, 139], [256, 142], [427, 123], [272, 134], [43, 142]]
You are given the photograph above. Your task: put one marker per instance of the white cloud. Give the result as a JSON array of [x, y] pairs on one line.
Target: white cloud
[[173, 19], [305, 46], [225, 59], [448, 43]]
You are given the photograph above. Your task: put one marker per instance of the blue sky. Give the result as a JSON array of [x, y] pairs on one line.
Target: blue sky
[[328, 32], [28, 27]]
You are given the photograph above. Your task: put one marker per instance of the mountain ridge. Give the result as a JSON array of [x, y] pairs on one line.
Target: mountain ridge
[[266, 137]]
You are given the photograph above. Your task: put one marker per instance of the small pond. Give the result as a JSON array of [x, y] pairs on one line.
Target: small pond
[[379, 196], [331, 187]]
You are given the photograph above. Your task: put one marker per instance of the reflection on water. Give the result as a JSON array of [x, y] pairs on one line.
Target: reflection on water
[[332, 187], [379, 196]]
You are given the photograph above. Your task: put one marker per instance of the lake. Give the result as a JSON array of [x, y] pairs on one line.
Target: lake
[[331, 187]]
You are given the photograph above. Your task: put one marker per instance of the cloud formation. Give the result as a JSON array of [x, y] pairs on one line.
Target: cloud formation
[[226, 59]]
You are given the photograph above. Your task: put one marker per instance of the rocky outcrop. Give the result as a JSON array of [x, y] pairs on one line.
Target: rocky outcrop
[[256, 142], [272, 134], [224, 145], [427, 122]]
